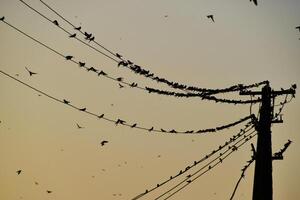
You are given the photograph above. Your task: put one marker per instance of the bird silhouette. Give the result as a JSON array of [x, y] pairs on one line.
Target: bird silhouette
[[129, 62], [49, 191], [103, 142], [78, 126], [92, 69], [87, 35], [298, 27], [189, 181], [162, 130], [2, 18], [30, 72], [55, 22], [120, 86], [81, 64], [19, 171], [101, 116], [66, 101], [211, 17], [69, 57], [119, 121], [73, 35], [102, 73], [118, 55], [134, 125], [254, 1], [119, 79], [151, 129], [92, 39], [82, 109], [133, 84], [77, 28]]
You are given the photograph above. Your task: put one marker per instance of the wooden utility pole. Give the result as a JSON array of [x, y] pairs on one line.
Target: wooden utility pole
[[263, 183]]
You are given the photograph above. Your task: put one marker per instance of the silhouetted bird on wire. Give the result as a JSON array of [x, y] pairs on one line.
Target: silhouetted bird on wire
[[55, 22], [102, 73], [134, 125], [2, 18], [298, 27], [103, 142], [87, 35], [73, 35], [92, 69], [151, 129], [66, 101], [30, 72], [118, 55], [49, 191], [119, 121], [19, 171], [81, 64], [82, 109], [254, 1], [101, 116], [69, 57], [78, 126], [92, 39], [77, 28], [211, 17], [119, 79], [189, 181]]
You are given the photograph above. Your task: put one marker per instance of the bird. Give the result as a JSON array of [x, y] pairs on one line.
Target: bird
[[2, 18], [189, 181], [73, 35], [92, 69], [102, 73], [66, 101], [162, 130], [87, 35], [55, 22], [254, 1], [19, 171], [77, 28], [119, 121], [298, 27], [101, 116], [69, 57], [119, 79], [118, 55], [134, 125], [82, 109], [92, 38], [81, 64], [36, 183], [49, 191], [30, 72], [120, 86], [151, 129], [211, 17], [103, 142], [78, 126]]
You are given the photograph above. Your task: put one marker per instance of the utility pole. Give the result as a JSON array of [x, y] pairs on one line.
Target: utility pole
[[263, 183]]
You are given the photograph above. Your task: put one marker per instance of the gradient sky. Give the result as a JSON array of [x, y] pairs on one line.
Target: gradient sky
[[246, 44]]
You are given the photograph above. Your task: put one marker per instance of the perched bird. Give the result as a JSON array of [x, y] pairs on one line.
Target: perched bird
[[49, 191], [92, 38], [69, 57], [81, 64], [87, 35], [119, 121], [122, 62], [120, 86], [189, 181], [2, 18], [101, 116], [78, 126], [92, 69], [77, 28], [118, 55], [82, 109], [19, 171], [298, 27], [162, 130], [30, 72], [151, 129], [73, 35], [133, 85], [134, 125], [103, 142], [119, 79], [211, 17], [66, 101], [254, 1], [55, 22], [102, 73], [129, 62], [189, 176]]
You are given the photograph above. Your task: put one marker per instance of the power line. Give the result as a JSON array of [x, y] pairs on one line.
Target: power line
[[121, 80], [124, 123], [146, 73], [241, 133]]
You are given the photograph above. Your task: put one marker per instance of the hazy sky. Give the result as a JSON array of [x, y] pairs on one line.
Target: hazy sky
[[171, 38]]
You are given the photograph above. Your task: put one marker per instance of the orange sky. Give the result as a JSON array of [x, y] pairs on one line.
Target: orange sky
[[246, 44]]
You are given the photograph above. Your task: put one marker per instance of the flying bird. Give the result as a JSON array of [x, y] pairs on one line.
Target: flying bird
[[2, 18], [77, 28], [211, 17], [73, 35], [69, 57], [120, 86], [30, 72], [254, 1], [82, 109], [66, 101], [55, 22], [19, 171], [78, 126], [103, 142], [298, 27]]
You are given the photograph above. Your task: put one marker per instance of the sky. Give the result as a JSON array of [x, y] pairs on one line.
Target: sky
[[174, 39]]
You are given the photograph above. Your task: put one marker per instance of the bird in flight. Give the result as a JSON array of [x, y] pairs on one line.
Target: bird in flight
[[254, 1], [73, 35], [2, 18], [55, 22], [298, 27], [120, 86], [78, 126], [211, 17], [77, 28], [19, 171], [30, 72], [103, 142]]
